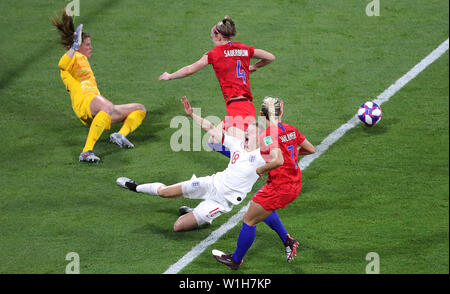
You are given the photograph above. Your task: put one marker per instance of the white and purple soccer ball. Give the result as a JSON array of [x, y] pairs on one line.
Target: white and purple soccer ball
[[369, 113]]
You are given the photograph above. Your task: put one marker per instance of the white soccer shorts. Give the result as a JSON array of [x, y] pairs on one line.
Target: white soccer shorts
[[213, 204]]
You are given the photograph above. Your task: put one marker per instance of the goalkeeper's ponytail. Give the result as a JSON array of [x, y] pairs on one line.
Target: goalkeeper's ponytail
[[66, 29]]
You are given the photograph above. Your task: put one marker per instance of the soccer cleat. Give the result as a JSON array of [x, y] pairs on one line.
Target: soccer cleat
[[89, 156], [226, 259], [290, 247], [185, 209], [127, 183], [121, 140]]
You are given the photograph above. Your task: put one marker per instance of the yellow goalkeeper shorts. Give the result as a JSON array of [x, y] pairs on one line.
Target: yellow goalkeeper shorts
[[81, 104]]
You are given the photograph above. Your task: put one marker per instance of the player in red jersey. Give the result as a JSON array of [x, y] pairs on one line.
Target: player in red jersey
[[280, 145], [231, 63]]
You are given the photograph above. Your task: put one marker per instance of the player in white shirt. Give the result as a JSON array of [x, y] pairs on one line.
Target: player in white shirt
[[220, 191]]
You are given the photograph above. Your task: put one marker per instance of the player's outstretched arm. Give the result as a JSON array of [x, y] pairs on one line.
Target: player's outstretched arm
[[306, 148], [185, 71], [77, 40], [65, 61], [204, 123], [264, 57]]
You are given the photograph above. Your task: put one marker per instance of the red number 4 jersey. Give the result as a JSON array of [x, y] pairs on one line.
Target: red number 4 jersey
[[231, 64]]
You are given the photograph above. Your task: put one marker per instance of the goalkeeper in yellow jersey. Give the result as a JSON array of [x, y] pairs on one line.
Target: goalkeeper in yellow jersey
[[94, 110]]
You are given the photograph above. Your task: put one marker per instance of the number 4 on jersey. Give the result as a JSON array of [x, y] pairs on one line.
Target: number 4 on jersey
[[240, 71]]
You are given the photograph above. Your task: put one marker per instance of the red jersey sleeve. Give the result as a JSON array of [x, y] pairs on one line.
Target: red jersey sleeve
[[251, 51], [210, 57], [300, 137]]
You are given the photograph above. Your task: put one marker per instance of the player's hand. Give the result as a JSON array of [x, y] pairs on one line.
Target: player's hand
[[164, 77], [260, 171], [252, 68], [187, 106], [77, 40]]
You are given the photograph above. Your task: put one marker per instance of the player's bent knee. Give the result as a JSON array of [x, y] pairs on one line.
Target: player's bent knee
[[163, 192], [141, 107], [185, 223], [100, 103], [178, 227], [249, 221], [107, 107]]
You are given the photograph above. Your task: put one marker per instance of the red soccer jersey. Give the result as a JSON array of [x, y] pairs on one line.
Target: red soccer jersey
[[231, 64], [287, 138]]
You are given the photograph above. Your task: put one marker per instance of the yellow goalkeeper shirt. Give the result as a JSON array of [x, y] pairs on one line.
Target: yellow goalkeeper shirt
[[78, 68]]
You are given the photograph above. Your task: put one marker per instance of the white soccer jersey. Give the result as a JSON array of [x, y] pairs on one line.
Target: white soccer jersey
[[240, 175]]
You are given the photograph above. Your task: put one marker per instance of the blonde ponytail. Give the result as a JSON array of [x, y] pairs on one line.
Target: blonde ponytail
[[270, 108]]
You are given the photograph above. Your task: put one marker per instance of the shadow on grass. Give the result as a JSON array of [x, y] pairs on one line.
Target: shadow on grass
[[382, 127], [165, 231]]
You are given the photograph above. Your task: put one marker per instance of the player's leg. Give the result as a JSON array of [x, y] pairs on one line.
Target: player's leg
[[131, 115], [255, 214], [123, 111], [92, 111], [207, 211], [100, 110], [194, 188], [172, 191], [159, 189], [290, 244], [100, 103], [274, 222], [273, 198], [186, 222], [155, 189], [150, 188]]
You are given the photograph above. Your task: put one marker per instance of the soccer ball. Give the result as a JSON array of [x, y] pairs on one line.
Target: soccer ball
[[369, 113]]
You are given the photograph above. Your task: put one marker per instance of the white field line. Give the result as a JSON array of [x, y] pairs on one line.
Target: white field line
[[383, 97], [306, 161]]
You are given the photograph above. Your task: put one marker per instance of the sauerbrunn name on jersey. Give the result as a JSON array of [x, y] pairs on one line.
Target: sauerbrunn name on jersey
[[235, 52]]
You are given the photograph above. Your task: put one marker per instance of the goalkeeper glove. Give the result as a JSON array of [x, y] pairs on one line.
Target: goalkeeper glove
[[77, 38]]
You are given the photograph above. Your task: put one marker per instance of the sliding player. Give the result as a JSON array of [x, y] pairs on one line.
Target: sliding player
[[231, 63], [221, 191], [94, 110], [281, 143]]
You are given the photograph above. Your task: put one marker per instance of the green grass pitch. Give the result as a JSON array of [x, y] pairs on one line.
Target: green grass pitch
[[383, 189]]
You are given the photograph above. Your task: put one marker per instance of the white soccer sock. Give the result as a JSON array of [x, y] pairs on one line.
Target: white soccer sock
[[151, 188]]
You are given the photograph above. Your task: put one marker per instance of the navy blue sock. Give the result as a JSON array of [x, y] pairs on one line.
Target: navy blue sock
[[245, 240], [274, 222], [220, 148]]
